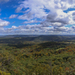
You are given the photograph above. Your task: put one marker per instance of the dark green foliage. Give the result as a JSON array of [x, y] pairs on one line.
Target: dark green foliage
[[21, 57]]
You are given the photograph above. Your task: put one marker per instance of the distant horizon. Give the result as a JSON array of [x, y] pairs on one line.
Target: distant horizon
[[37, 35]]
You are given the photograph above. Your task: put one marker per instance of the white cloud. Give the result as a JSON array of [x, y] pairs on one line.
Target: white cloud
[[39, 29], [58, 19], [31, 21], [37, 7], [3, 23], [13, 16], [14, 27], [25, 16], [54, 21], [56, 16]]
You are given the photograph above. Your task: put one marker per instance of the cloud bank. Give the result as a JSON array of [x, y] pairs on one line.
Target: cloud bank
[[44, 16]]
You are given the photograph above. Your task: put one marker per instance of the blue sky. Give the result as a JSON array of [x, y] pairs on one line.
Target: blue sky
[[50, 17]]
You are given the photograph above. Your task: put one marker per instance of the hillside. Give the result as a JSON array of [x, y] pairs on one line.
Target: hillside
[[22, 38], [22, 57]]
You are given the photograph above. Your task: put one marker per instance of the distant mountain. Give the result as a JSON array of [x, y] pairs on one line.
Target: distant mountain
[[55, 37], [37, 38], [13, 36]]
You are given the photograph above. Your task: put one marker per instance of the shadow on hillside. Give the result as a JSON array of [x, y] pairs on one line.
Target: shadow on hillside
[[52, 45], [20, 45]]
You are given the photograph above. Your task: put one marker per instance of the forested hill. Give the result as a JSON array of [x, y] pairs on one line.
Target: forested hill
[[37, 38]]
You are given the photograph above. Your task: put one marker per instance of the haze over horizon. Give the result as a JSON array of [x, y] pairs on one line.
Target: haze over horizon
[[37, 17]]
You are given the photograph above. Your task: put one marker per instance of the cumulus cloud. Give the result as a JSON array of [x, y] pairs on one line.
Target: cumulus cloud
[[58, 18], [36, 5], [13, 16], [37, 10], [25, 16], [39, 29], [55, 19], [31, 21], [3, 23]]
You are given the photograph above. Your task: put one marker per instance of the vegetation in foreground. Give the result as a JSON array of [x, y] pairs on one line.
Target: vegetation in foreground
[[31, 58]]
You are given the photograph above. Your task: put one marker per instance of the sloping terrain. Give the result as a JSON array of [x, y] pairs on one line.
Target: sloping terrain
[[36, 38], [48, 58]]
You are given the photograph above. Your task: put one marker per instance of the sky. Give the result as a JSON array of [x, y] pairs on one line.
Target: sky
[[39, 17]]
